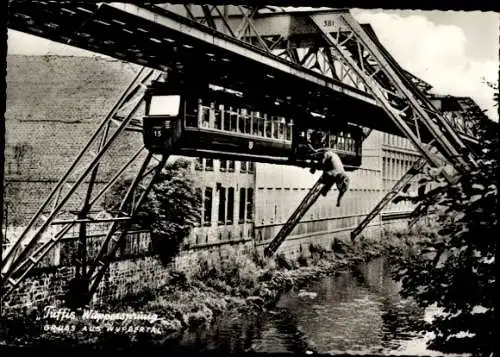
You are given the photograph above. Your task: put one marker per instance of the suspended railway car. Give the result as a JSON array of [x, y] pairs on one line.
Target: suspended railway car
[[219, 123]]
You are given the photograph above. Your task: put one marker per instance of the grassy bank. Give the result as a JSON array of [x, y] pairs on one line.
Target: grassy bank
[[194, 297]]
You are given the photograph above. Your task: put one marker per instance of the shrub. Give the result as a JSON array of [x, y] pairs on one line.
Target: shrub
[[282, 262], [457, 271], [302, 260], [171, 209]]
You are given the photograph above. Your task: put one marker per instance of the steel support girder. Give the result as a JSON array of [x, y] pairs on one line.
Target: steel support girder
[[144, 179], [71, 169], [310, 198], [25, 266], [280, 33], [18, 264], [379, 90], [236, 47], [389, 196], [294, 28], [294, 31]]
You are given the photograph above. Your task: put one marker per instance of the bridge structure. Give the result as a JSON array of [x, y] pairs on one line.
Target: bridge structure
[[316, 62]]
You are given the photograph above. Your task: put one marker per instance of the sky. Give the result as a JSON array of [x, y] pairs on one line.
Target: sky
[[452, 50]]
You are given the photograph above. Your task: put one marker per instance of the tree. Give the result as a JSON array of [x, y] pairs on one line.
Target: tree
[[171, 209], [456, 270]]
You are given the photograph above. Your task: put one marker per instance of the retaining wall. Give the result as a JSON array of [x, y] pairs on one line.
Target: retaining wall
[[136, 270]]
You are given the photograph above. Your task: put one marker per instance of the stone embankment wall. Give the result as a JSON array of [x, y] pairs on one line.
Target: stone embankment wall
[[135, 269]]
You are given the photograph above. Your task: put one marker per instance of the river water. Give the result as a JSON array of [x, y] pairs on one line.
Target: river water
[[357, 312]]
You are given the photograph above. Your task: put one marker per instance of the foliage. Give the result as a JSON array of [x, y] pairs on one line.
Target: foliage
[[234, 269], [170, 211], [454, 269]]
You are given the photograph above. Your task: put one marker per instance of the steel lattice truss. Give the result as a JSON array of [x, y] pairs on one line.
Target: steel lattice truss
[[324, 58]]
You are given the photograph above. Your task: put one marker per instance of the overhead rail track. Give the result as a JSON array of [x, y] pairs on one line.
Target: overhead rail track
[[152, 36]]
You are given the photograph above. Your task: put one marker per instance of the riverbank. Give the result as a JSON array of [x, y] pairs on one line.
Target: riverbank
[[193, 298]]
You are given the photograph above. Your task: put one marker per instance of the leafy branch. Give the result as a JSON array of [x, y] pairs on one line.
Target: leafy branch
[[456, 270], [171, 209]]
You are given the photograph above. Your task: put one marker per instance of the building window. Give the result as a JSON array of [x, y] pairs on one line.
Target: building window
[[251, 167], [243, 166], [198, 163], [230, 165], [230, 205], [207, 207], [209, 164], [222, 205], [242, 206], [199, 196], [249, 204], [223, 165]]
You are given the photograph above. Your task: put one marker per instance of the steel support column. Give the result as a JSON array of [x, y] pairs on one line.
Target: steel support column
[[18, 262]]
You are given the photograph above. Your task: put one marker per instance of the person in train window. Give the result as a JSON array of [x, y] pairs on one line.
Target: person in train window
[[333, 171]]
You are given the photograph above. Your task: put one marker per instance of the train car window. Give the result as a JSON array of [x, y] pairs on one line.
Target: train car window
[[230, 165], [255, 123], [230, 205], [191, 115], [207, 207], [250, 124], [281, 128], [243, 166], [222, 206], [340, 143], [234, 119], [275, 126], [204, 117], [242, 121], [242, 206], [168, 105], [218, 117], [333, 141], [227, 118], [289, 130], [258, 124], [209, 164], [268, 126]]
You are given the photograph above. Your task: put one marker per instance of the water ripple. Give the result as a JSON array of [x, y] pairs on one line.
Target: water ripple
[[357, 312]]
